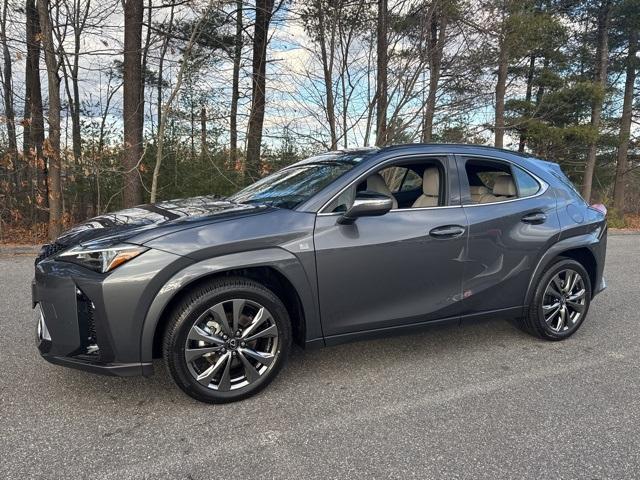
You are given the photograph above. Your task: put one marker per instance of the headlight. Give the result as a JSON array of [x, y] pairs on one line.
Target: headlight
[[101, 259]]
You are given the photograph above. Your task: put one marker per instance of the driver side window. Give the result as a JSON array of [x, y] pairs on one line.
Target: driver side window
[[409, 185]]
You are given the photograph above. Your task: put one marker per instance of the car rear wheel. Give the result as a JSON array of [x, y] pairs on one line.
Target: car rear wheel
[[227, 340], [561, 301]]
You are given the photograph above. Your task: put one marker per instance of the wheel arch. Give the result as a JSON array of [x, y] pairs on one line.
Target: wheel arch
[[276, 268], [578, 248]]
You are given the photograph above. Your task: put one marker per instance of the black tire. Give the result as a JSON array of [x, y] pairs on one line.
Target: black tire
[[189, 311], [534, 321]]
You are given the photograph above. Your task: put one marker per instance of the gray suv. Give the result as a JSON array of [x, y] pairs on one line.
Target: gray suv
[[345, 245]]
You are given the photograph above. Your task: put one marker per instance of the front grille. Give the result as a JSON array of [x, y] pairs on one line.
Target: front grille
[[87, 323], [48, 250]]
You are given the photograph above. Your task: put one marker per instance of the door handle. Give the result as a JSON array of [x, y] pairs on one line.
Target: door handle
[[447, 231], [535, 218]]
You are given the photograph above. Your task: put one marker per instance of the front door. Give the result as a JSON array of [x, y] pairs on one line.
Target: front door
[[398, 269]]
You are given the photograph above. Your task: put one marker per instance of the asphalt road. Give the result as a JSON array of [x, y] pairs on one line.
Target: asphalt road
[[483, 401]]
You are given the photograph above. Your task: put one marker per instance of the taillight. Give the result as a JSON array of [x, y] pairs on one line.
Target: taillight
[[600, 207]]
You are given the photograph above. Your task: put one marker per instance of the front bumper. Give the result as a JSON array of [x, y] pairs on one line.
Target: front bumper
[[601, 287], [93, 322], [81, 350]]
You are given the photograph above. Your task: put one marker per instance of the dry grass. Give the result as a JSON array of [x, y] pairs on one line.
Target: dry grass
[[11, 235]]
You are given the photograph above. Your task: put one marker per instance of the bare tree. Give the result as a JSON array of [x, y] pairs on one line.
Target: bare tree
[[133, 105], [7, 84], [625, 121], [167, 106], [52, 144], [501, 82], [600, 83], [163, 53], [437, 39], [381, 83], [264, 12], [33, 136], [235, 86]]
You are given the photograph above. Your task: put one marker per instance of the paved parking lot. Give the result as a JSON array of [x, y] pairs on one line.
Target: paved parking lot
[[484, 401]]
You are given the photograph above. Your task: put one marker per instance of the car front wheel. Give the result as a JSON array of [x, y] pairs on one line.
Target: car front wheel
[[227, 340], [561, 301]]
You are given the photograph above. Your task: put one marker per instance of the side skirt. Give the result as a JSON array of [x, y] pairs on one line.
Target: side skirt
[[505, 313]]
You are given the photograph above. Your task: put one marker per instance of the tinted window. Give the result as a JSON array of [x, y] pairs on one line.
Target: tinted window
[[527, 185]]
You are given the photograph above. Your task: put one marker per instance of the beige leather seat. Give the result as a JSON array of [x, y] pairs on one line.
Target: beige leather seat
[[477, 192], [430, 189], [503, 189], [375, 183]]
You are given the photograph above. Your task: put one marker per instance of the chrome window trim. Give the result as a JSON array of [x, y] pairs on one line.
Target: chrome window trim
[[380, 166], [544, 186]]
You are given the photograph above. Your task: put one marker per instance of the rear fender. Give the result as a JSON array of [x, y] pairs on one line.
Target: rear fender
[[591, 240]]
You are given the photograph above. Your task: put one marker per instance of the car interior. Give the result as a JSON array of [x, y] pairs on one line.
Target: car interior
[[490, 181], [420, 184], [414, 185]]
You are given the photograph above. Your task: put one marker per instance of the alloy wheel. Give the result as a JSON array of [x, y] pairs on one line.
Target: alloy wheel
[[231, 344], [564, 301]]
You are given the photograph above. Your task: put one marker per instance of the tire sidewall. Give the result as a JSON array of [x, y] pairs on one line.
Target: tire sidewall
[[536, 308], [188, 316]]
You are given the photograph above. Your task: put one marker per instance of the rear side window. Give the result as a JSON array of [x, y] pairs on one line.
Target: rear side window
[[527, 185], [492, 181]]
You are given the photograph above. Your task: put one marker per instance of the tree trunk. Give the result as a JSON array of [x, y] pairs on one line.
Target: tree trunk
[[52, 145], [381, 83], [8, 91], [34, 133], [163, 52], [264, 11], [235, 88], [70, 69], [600, 83], [133, 106], [327, 70], [528, 95], [501, 85], [203, 132], [436, 47], [625, 122]]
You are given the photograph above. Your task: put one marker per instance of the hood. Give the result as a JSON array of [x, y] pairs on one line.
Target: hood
[[168, 215]]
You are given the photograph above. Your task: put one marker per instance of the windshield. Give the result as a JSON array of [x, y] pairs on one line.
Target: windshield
[[294, 185]]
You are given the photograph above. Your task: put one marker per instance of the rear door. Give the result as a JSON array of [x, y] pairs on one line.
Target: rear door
[[507, 234], [393, 270]]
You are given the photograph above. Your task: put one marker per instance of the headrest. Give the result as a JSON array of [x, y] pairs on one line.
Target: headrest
[[375, 183], [504, 186], [431, 182], [478, 190]]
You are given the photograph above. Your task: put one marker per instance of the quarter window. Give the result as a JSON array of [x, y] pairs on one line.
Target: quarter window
[[527, 185]]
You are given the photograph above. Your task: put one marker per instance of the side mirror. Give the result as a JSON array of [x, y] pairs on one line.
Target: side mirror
[[366, 204]]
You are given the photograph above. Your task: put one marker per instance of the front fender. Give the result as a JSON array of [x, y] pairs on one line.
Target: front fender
[[283, 261]]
